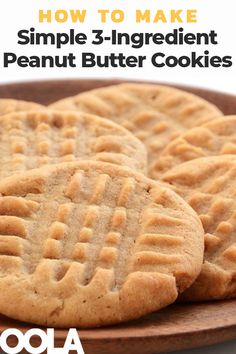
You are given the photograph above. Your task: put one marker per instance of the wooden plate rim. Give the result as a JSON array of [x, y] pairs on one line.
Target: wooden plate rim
[[124, 337]]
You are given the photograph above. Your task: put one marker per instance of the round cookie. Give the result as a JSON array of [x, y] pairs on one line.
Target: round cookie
[[87, 244], [155, 114], [8, 105], [31, 139], [217, 137], [208, 185]]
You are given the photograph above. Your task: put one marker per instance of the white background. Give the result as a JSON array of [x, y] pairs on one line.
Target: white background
[[212, 14], [217, 15]]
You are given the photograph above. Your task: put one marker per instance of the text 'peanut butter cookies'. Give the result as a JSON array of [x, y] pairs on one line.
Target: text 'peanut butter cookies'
[[208, 185], [217, 137], [155, 114], [90, 243], [31, 139], [10, 106]]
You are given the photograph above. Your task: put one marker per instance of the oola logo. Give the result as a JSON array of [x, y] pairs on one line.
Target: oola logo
[[46, 339]]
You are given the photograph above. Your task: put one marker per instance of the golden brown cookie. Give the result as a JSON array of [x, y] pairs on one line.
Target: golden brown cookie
[[8, 105], [90, 243], [208, 185], [217, 137], [155, 114], [31, 139]]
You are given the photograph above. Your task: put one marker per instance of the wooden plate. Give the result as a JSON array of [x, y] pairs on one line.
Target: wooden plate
[[179, 326]]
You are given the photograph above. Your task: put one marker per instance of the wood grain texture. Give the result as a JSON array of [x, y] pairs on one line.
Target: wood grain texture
[[177, 327]]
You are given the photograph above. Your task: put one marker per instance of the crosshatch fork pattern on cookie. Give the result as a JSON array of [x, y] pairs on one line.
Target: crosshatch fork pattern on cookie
[[216, 137], [32, 139], [110, 240], [207, 184], [93, 240], [154, 114]]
